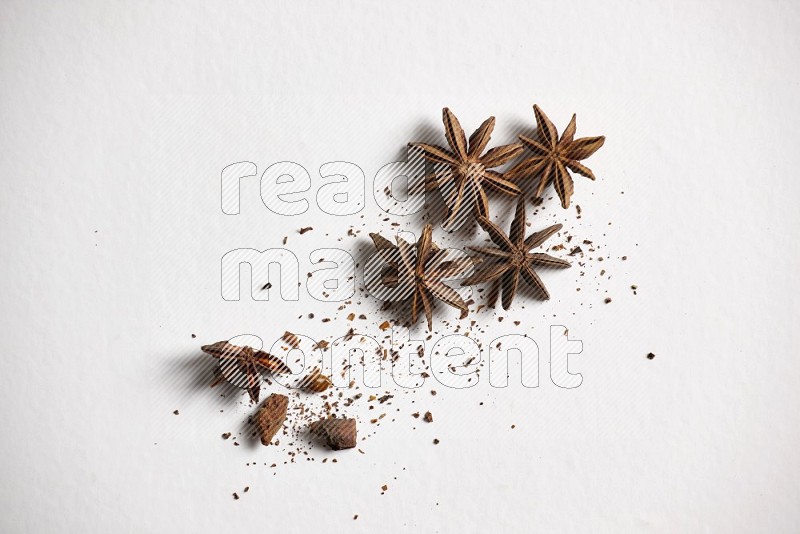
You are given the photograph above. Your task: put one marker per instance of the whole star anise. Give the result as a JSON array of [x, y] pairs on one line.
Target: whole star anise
[[419, 271], [553, 156], [244, 366], [467, 171], [512, 258]]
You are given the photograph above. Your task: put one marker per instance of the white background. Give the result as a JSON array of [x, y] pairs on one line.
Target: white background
[[116, 119]]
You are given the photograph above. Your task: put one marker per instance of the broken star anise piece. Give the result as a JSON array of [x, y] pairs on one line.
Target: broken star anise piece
[[244, 366], [553, 156], [467, 171], [270, 417], [338, 433], [512, 258], [418, 272]]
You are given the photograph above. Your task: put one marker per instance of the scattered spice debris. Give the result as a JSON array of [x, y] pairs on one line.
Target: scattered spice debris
[[650, 356], [176, 412], [305, 229], [428, 417]]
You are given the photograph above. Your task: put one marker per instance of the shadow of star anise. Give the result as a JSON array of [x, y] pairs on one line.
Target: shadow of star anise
[[244, 366], [512, 258], [467, 171], [553, 156], [419, 272]]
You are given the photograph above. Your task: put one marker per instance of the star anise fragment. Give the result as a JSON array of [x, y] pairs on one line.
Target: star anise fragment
[[338, 433], [512, 258], [270, 417], [553, 156], [462, 182], [244, 366], [419, 271]]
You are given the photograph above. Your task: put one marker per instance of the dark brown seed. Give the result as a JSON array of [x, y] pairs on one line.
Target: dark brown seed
[[315, 382], [650, 356]]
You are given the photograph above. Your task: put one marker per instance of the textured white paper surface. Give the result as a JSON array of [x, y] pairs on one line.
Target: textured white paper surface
[[116, 120]]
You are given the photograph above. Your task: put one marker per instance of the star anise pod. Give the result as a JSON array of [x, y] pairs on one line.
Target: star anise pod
[[553, 156], [418, 272], [244, 366], [462, 182], [512, 258]]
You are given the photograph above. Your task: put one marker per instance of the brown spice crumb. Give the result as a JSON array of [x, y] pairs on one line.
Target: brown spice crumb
[[435, 441], [385, 487], [428, 417], [235, 496], [176, 412], [433, 392], [291, 339], [355, 517], [246, 489], [607, 300], [650, 356], [226, 435], [305, 229]]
